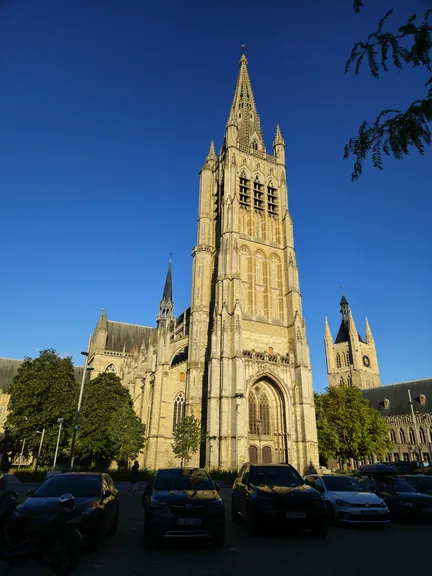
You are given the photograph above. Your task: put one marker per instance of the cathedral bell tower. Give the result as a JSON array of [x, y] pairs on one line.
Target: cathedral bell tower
[[249, 376], [351, 361]]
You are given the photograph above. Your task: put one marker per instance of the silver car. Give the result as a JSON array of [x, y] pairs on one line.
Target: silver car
[[347, 500]]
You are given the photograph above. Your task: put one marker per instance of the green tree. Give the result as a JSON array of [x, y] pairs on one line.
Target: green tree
[[360, 430], [328, 440], [394, 132], [109, 429], [43, 390], [188, 436]]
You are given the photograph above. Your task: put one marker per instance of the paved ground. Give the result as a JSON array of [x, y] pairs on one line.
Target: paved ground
[[400, 549]]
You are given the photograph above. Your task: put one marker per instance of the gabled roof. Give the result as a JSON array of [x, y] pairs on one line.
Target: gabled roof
[[397, 396], [129, 336]]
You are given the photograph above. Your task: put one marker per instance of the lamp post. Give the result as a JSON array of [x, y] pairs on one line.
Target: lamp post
[[78, 410], [60, 422], [40, 447], [22, 453]]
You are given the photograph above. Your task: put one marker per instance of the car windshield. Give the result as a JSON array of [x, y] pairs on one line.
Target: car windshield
[[342, 484], [275, 476], [183, 479], [421, 483], [394, 485], [79, 486]]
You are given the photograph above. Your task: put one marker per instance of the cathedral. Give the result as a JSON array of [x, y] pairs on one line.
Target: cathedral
[[238, 358]]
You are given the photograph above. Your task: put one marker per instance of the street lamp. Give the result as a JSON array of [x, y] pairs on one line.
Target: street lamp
[[22, 449], [60, 423], [40, 447], [77, 414]]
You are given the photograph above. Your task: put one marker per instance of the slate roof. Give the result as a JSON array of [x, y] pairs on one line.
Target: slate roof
[[131, 336], [343, 334], [397, 394], [9, 369]]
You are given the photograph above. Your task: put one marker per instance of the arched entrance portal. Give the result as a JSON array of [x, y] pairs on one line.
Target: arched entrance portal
[[267, 424]]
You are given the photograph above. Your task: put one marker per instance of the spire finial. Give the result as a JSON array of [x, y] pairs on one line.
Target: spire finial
[[243, 46], [211, 156], [166, 304]]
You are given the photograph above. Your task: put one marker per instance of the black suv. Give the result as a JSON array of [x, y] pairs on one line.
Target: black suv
[[277, 494], [183, 503]]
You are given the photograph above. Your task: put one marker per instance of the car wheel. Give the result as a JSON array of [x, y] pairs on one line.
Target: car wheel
[[65, 553], [319, 530], [251, 524], [333, 519], [235, 516], [115, 523]]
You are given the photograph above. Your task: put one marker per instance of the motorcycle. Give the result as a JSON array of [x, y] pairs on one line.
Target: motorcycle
[[50, 539]]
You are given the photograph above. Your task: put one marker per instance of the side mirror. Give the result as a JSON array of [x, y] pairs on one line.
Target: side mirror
[[217, 487], [66, 503]]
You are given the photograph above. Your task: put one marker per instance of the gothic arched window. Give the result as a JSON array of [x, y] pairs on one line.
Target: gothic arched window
[[111, 369], [179, 409], [252, 414], [349, 380], [393, 436], [338, 361], [254, 145], [348, 358], [412, 436], [422, 436], [258, 194], [402, 436], [264, 410], [272, 199], [244, 189]]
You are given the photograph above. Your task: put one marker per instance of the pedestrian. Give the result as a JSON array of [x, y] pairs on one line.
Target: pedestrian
[[134, 478]]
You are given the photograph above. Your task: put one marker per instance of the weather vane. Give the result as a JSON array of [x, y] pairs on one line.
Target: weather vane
[[342, 288], [242, 48]]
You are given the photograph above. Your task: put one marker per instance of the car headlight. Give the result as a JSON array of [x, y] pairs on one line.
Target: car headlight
[[383, 504], [157, 503], [343, 504], [218, 503]]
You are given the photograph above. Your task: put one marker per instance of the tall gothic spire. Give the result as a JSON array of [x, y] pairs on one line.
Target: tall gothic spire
[[243, 113], [345, 310], [166, 304]]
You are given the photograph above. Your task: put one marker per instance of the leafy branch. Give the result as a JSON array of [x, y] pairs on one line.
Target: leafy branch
[[393, 131]]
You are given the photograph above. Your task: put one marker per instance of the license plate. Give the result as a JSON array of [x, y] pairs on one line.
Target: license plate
[[189, 522], [295, 515], [369, 512]]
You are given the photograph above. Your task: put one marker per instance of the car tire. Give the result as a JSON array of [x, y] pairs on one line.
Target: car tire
[[333, 519], [319, 530], [115, 523], [95, 540], [235, 516], [251, 524], [70, 541]]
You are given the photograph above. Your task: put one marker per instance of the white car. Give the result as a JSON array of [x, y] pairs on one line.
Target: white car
[[347, 500]]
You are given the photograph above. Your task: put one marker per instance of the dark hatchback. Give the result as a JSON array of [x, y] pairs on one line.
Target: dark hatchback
[[96, 498], [183, 503], [403, 501], [420, 482], [277, 495]]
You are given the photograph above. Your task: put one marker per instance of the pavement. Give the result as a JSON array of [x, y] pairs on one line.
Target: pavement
[[399, 549]]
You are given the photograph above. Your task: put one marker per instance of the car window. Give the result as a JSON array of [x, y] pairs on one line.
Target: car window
[[342, 484], [369, 483], [275, 476], [394, 485], [79, 486], [183, 479]]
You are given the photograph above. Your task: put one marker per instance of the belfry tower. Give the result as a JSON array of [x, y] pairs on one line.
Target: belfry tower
[[248, 374]]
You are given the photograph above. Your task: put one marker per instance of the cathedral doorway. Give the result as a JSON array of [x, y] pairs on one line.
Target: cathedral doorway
[[267, 424]]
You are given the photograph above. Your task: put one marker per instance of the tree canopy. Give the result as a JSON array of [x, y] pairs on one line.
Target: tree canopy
[[395, 131], [109, 429], [43, 391], [348, 427], [187, 438]]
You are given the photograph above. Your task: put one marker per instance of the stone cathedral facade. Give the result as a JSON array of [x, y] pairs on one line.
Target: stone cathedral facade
[[238, 358]]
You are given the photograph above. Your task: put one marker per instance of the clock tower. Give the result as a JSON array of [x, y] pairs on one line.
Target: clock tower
[[351, 361]]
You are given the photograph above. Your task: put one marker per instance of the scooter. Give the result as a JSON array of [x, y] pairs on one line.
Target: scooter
[[53, 540]]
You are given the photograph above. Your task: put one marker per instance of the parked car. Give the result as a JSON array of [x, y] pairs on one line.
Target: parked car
[[96, 498], [183, 503], [276, 494], [348, 501], [403, 501], [403, 467], [420, 482]]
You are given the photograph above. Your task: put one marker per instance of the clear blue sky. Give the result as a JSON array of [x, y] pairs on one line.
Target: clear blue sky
[[106, 114]]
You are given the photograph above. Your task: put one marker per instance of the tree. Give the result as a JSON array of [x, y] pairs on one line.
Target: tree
[[188, 436], [394, 131], [360, 430], [43, 390], [328, 440], [109, 429]]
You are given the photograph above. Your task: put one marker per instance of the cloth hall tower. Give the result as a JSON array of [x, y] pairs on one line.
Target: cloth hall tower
[[238, 358]]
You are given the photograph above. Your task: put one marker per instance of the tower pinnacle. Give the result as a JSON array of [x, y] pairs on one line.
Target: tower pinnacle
[[166, 304]]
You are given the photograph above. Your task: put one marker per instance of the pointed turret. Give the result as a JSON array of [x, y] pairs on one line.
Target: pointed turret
[[243, 113], [101, 333], [103, 320], [166, 304], [211, 158], [369, 337], [352, 326], [279, 146], [327, 334]]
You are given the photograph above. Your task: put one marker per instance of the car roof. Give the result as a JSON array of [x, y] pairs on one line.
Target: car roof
[[76, 474], [271, 465], [190, 469]]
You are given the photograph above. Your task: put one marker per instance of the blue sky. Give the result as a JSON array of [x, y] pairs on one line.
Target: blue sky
[[106, 114]]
